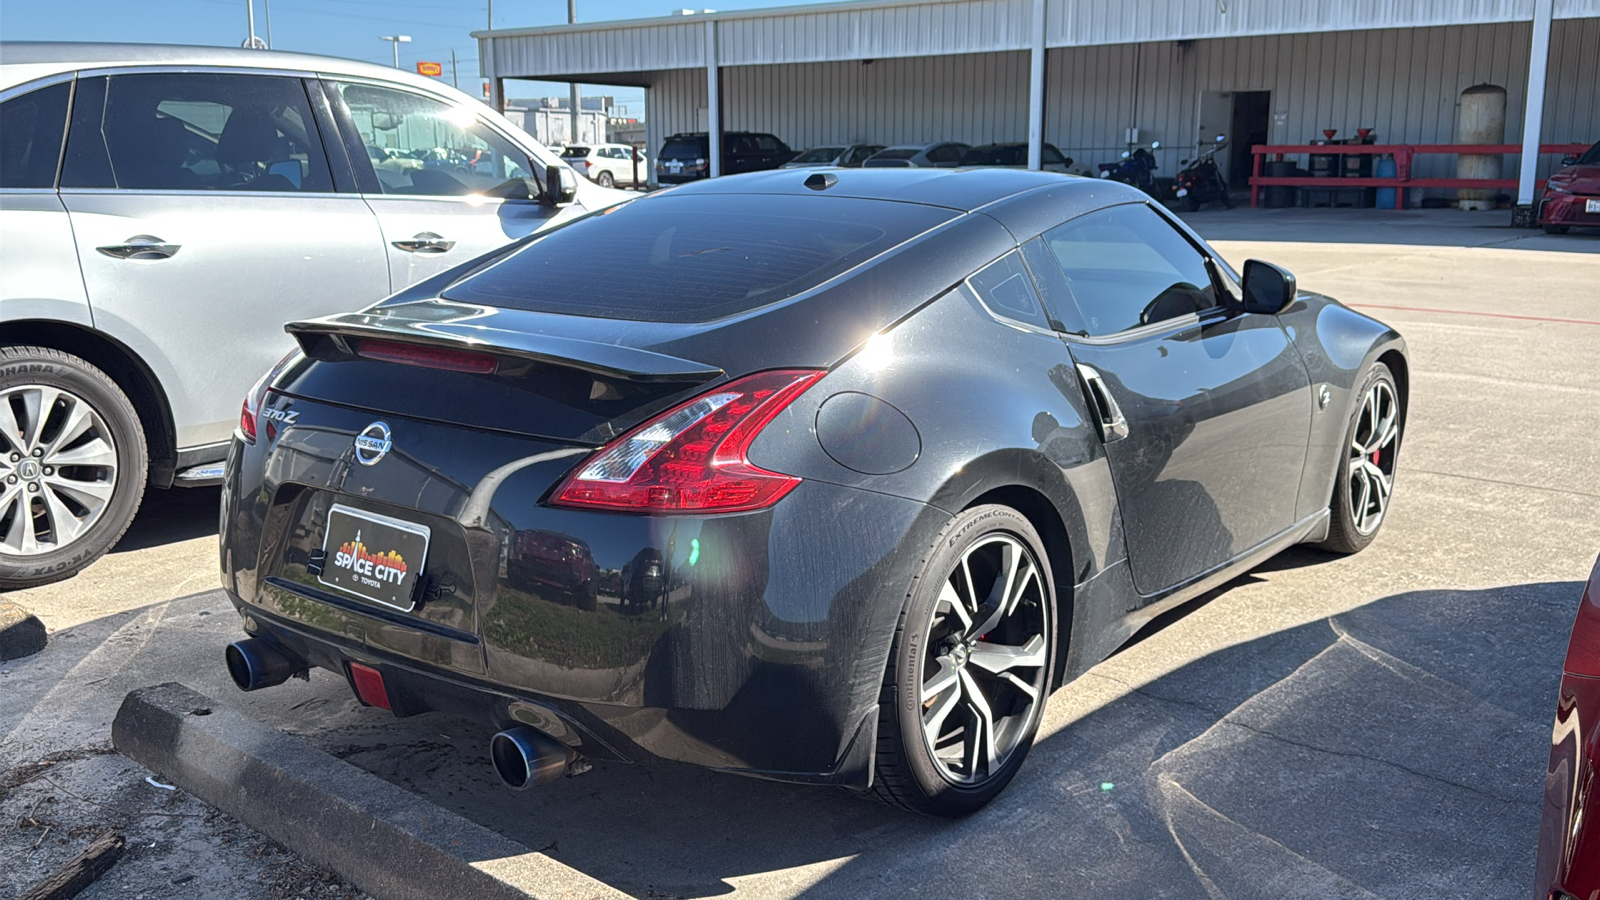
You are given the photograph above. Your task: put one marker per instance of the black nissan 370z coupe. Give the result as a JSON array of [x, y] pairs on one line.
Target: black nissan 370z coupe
[[821, 477]]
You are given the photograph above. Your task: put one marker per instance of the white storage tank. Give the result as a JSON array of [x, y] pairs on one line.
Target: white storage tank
[[1482, 121]]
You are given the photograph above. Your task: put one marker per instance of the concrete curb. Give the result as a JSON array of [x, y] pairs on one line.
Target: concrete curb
[[21, 632], [381, 838]]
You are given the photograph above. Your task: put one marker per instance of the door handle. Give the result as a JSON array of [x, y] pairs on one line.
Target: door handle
[[1113, 425], [425, 242], [140, 246]]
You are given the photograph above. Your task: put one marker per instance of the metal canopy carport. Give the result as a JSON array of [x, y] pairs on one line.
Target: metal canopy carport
[[627, 52]]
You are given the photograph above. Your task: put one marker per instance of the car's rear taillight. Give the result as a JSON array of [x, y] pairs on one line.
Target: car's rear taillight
[[1583, 652], [428, 357], [693, 457], [250, 412]]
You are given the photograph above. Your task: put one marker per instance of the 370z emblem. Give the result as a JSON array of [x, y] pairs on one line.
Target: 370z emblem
[[372, 444], [286, 416]]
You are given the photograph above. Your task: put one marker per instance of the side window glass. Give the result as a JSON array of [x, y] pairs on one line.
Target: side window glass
[[1127, 267], [1054, 291], [31, 127], [421, 146], [1004, 287], [198, 132]]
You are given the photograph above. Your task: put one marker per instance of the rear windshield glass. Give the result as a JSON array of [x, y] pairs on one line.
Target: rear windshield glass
[[571, 152], [819, 154], [683, 149], [694, 258], [899, 153]]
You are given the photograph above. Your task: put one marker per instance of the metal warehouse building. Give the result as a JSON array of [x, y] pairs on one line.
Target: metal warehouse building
[[1081, 73]]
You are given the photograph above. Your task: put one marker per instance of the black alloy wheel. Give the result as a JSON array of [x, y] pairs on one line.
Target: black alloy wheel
[[970, 669], [1364, 486]]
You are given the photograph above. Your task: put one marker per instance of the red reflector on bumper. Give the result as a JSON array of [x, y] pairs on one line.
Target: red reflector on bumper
[[369, 685]]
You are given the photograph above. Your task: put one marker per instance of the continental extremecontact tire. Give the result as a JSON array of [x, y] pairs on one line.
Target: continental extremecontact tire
[[969, 671], [72, 465]]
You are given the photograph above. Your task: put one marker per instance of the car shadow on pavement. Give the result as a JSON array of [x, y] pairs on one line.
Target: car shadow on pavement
[[172, 515], [1357, 756]]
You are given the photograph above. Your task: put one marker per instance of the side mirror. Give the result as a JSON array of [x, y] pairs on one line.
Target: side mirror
[[560, 185], [1155, 145], [1066, 160], [1268, 289], [1569, 160], [1221, 138], [1125, 154]]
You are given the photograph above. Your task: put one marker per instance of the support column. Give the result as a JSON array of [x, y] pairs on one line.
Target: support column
[[1036, 90], [713, 102], [1533, 111], [496, 101]]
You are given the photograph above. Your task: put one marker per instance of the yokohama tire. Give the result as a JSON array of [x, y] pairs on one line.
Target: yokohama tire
[[908, 773], [73, 381], [1349, 531]]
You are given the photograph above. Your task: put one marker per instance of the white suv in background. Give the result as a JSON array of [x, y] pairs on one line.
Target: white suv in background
[[608, 165], [165, 210]]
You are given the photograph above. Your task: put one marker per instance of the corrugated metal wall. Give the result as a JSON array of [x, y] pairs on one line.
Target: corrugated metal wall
[[1404, 83], [881, 30]]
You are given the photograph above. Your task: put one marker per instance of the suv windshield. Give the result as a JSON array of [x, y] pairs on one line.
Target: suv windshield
[[683, 148], [898, 153], [694, 258], [819, 154]]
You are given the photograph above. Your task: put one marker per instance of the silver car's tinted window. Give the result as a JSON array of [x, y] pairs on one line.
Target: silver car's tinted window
[[694, 258], [195, 132], [1127, 267], [31, 127], [431, 147]]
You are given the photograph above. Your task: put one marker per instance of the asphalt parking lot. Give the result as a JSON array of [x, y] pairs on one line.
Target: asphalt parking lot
[[1371, 726]]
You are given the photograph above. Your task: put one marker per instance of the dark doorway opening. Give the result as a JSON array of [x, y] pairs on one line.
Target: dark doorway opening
[[1252, 114]]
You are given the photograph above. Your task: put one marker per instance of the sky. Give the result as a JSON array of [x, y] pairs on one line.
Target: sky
[[348, 28]]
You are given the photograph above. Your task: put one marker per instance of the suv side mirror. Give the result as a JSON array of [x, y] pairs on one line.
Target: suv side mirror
[[560, 185], [1268, 289], [1569, 160]]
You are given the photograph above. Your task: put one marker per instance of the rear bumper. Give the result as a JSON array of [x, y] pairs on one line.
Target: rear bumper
[[1569, 833], [1567, 209], [749, 643]]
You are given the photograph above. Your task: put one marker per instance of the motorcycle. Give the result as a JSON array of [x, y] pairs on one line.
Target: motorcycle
[[1136, 168], [1200, 182]]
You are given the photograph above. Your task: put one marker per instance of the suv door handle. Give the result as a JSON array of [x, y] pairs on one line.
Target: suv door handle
[[425, 242], [1113, 425], [140, 246]]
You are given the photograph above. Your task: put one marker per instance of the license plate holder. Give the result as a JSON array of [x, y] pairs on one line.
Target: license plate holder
[[1592, 205], [374, 557]]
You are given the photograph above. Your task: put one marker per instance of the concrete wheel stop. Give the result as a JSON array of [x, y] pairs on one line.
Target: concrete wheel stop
[[379, 837], [21, 632]]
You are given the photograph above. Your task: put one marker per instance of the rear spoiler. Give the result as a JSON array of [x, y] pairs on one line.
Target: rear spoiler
[[460, 326]]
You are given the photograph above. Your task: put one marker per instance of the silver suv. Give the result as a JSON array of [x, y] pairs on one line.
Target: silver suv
[[164, 210]]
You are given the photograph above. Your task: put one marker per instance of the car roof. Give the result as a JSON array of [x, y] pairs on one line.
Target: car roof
[[960, 189], [23, 61]]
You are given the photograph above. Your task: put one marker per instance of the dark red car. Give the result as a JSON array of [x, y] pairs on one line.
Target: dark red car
[[1572, 196], [1569, 836]]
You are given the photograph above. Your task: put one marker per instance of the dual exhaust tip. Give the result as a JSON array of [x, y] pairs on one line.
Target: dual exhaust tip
[[523, 757]]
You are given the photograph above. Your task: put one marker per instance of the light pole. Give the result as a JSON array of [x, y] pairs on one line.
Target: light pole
[[395, 40]]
